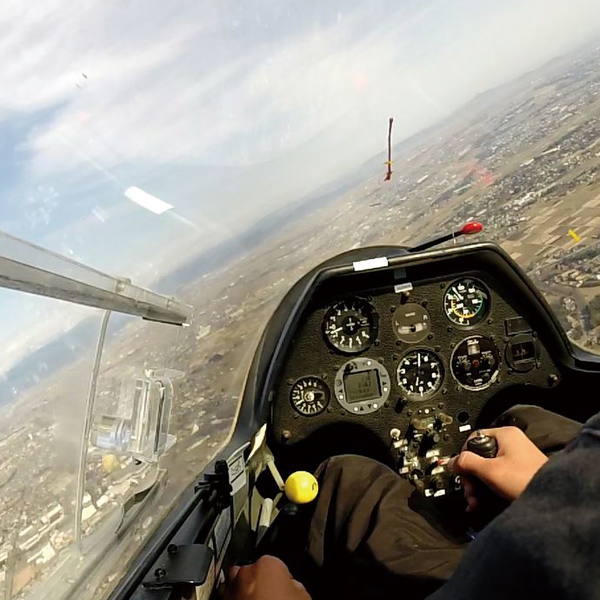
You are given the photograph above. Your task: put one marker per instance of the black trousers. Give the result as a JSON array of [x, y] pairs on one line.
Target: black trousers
[[372, 536]]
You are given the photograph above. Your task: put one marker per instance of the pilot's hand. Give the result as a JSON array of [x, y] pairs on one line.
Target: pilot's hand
[[508, 474], [267, 579]]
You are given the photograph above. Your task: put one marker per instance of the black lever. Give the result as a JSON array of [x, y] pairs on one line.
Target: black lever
[[490, 504], [469, 229], [483, 445]]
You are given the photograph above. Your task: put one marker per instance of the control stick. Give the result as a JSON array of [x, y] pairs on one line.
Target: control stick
[[483, 445], [492, 505]]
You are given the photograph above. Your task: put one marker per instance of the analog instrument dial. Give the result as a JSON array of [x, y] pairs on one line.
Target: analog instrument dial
[[310, 396], [475, 363], [466, 302], [420, 374], [411, 323], [350, 325]]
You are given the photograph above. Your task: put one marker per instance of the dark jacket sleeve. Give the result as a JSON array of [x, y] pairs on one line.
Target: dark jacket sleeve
[[547, 543]]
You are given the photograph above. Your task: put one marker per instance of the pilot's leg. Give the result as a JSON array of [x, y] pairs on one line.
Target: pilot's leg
[[365, 541], [549, 431], [368, 538]]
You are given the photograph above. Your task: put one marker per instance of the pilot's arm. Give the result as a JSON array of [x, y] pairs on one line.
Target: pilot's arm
[[545, 545]]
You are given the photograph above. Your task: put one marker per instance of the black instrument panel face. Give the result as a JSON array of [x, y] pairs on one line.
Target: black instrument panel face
[[426, 356]]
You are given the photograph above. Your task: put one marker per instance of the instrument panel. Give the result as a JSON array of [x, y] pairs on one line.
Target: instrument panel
[[413, 362]]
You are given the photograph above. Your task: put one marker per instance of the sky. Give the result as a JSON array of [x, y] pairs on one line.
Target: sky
[[224, 110]]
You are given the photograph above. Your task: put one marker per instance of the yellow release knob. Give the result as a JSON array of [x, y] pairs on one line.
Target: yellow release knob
[[301, 487], [110, 463]]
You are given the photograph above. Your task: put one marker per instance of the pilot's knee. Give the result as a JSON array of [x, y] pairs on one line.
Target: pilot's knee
[[350, 467]]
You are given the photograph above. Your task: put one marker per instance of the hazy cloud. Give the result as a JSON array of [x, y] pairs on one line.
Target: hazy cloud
[[98, 96]]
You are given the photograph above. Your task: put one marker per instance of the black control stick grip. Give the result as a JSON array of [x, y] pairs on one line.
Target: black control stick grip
[[483, 445]]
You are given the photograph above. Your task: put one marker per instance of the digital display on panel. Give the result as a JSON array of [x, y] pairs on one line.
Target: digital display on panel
[[362, 386]]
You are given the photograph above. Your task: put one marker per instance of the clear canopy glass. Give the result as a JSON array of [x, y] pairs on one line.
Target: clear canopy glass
[[214, 153]]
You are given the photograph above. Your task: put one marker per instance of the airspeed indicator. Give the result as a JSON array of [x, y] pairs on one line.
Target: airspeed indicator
[[466, 302]]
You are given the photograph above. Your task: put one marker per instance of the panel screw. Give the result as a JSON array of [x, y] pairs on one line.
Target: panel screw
[[445, 391], [441, 405], [430, 336], [286, 434], [392, 308], [160, 573], [172, 549], [398, 343], [490, 321], [377, 343], [409, 412], [438, 348], [290, 381], [442, 285], [552, 380], [329, 409], [449, 329]]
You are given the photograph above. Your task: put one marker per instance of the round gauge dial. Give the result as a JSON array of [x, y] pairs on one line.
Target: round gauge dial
[[466, 302], [350, 325], [420, 374], [411, 323], [310, 396], [475, 363]]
